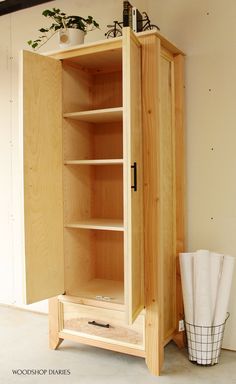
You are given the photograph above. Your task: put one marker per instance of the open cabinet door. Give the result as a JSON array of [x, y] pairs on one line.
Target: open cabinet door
[[42, 153], [133, 179]]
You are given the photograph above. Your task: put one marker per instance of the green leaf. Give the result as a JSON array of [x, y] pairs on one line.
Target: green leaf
[[43, 30], [61, 20], [48, 13]]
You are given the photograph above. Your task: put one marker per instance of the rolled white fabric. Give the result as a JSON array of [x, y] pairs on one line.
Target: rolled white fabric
[[222, 301], [202, 288], [215, 274], [202, 305], [186, 270], [224, 290]]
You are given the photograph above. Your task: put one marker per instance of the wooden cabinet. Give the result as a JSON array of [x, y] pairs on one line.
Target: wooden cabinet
[[103, 170]]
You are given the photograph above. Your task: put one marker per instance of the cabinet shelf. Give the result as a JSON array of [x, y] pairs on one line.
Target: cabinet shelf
[[94, 162], [97, 116], [100, 224], [102, 290]]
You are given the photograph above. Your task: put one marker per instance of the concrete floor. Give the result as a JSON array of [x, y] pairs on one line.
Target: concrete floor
[[24, 346]]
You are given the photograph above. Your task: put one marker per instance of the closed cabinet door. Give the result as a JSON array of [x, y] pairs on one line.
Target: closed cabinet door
[[133, 175], [42, 155]]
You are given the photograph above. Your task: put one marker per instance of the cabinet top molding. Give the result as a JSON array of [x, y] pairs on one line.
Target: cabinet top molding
[[110, 44]]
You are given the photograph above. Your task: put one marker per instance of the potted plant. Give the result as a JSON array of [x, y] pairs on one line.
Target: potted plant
[[71, 29]]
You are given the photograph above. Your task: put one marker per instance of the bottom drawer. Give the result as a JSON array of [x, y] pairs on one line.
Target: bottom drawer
[[102, 324]]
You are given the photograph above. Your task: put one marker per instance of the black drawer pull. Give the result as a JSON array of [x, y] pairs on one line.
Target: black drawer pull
[[134, 167], [98, 324]]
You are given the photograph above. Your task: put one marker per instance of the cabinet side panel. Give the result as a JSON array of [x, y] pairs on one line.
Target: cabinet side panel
[[77, 88], [44, 266], [167, 195], [180, 183], [79, 260]]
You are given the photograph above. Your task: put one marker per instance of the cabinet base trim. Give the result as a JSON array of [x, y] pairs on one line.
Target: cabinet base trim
[[73, 336]]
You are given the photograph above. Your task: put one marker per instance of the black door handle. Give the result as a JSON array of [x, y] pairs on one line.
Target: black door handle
[[134, 167], [99, 324]]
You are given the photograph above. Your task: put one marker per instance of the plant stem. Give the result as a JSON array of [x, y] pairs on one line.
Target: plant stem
[[46, 40]]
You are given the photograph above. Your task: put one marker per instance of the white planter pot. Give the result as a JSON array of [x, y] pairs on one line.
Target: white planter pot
[[70, 36]]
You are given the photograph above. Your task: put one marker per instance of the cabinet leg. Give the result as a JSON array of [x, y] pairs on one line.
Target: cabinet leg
[[54, 342], [153, 340], [54, 322], [179, 340]]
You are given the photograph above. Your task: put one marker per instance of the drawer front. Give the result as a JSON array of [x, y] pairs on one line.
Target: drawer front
[[102, 324]]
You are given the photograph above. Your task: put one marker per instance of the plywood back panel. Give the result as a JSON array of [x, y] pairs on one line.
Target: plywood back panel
[[107, 199], [107, 90], [43, 177], [108, 141], [109, 255]]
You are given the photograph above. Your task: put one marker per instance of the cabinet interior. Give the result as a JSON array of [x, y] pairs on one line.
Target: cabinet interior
[[93, 192], [90, 141], [93, 176], [101, 255], [90, 82]]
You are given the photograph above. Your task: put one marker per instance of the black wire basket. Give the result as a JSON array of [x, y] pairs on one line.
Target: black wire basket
[[204, 343]]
